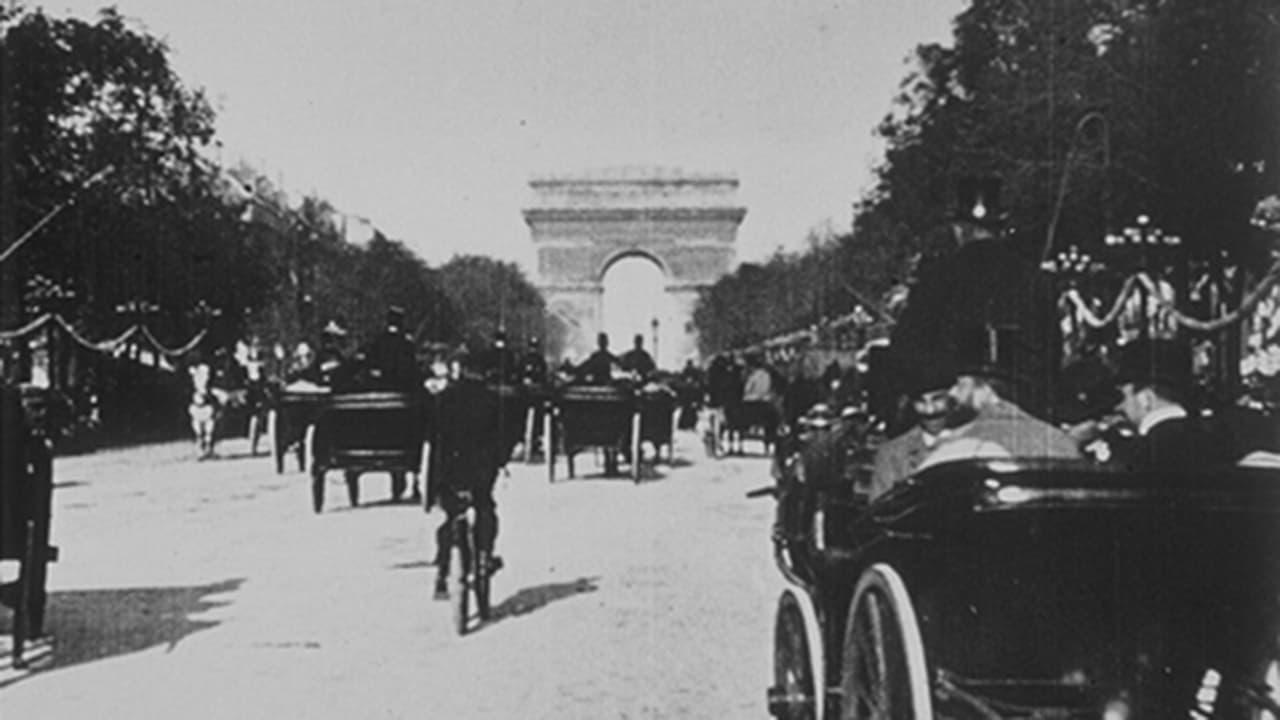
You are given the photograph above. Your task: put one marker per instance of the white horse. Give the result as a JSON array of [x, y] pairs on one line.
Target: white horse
[[204, 409]]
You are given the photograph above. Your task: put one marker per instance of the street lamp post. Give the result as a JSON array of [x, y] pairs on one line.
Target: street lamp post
[[653, 325]]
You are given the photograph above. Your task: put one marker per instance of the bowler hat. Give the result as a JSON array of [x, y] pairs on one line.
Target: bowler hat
[[1156, 362]]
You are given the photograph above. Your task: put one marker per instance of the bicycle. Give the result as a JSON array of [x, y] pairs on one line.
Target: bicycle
[[473, 570]]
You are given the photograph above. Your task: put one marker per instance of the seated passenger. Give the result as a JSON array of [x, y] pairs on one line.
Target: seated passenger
[[997, 426], [598, 368], [638, 360], [1155, 382], [896, 459]]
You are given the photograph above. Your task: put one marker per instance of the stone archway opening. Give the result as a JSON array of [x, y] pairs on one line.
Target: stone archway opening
[[674, 230], [635, 302]]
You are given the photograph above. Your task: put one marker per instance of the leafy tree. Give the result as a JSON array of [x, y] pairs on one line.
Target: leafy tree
[[494, 295]]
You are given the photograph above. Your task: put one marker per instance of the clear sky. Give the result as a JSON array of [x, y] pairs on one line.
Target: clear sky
[[430, 116]]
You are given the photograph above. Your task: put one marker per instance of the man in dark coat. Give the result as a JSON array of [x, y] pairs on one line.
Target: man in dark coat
[[468, 449], [390, 357], [597, 369], [1155, 384], [638, 360], [498, 363]]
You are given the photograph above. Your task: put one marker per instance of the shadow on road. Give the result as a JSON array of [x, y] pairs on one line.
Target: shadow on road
[[89, 625], [537, 597]]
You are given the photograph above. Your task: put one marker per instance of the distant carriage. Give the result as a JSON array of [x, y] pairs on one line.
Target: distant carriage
[[370, 431], [289, 416], [606, 418], [658, 405]]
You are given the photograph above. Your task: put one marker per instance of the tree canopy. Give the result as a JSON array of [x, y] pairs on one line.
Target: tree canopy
[[1091, 113], [116, 163]]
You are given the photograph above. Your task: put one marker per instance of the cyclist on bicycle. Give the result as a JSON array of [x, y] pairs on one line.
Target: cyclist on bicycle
[[468, 449]]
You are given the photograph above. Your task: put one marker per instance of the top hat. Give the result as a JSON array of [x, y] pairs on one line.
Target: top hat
[[928, 380], [988, 351], [1156, 362]]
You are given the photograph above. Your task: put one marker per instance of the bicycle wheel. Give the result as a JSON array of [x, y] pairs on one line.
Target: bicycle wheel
[[462, 598], [482, 575]]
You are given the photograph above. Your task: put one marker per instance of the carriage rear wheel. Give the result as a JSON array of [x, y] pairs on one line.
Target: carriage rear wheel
[[884, 674], [317, 489], [799, 675], [635, 447], [463, 567]]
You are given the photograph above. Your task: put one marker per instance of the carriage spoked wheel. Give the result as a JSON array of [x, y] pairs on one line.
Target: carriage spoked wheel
[[799, 670], [635, 448], [317, 489], [549, 440], [884, 672], [274, 445]]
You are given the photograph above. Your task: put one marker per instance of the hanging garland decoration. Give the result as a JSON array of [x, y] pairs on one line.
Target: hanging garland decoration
[[1072, 297], [106, 346], [26, 330], [179, 351], [109, 345]]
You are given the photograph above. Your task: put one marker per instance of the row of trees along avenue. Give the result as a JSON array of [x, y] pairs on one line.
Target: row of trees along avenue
[[117, 169], [1091, 113]]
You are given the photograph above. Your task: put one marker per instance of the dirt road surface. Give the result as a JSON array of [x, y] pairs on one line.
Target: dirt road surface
[[210, 590]]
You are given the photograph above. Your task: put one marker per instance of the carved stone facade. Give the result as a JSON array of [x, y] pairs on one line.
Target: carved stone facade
[[582, 224]]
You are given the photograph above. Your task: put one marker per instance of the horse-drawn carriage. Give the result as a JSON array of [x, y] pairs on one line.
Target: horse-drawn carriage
[[594, 417], [292, 411], [369, 431], [1025, 589]]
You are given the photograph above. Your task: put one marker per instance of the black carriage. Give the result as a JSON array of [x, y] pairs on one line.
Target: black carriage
[[594, 417], [26, 499], [748, 420], [291, 414], [371, 431], [658, 420], [1023, 589]]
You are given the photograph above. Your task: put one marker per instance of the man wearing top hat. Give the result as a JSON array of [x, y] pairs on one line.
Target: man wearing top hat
[[897, 458], [987, 276], [390, 357], [1155, 384], [986, 394]]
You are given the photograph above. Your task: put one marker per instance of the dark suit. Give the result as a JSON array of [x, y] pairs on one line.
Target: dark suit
[[392, 361], [638, 361], [467, 450], [1175, 444], [597, 369]]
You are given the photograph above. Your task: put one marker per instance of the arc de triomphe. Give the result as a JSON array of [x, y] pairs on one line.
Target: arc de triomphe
[[583, 224]]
